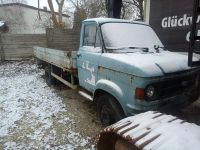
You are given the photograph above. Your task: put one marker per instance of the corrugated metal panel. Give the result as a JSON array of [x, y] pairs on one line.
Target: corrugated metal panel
[[156, 131]]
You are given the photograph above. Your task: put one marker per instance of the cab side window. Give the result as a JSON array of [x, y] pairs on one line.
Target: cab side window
[[91, 36]]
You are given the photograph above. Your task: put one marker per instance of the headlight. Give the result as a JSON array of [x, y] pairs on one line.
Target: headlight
[[150, 91]]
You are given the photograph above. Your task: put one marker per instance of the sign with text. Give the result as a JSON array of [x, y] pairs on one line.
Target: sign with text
[[172, 22]]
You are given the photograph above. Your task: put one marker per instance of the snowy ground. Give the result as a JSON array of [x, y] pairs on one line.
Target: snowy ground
[[36, 116], [33, 115]]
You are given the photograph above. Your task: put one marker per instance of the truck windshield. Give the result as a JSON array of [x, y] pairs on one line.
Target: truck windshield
[[118, 36]]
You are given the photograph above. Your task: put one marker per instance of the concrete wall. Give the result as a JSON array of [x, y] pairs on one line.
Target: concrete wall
[[24, 20], [19, 46], [63, 39]]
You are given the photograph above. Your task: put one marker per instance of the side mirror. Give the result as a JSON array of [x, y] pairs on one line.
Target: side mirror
[[3, 27]]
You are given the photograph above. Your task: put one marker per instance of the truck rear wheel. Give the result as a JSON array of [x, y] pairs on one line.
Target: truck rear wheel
[[40, 64], [109, 111], [49, 79]]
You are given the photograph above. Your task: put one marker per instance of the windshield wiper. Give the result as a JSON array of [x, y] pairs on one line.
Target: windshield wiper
[[144, 49], [157, 47]]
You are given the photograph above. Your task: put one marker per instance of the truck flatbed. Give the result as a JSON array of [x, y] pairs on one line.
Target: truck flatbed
[[60, 58]]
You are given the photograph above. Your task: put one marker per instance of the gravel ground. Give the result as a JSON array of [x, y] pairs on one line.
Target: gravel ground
[[36, 116]]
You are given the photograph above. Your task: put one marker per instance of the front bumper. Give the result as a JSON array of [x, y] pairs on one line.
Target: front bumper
[[178, 102]]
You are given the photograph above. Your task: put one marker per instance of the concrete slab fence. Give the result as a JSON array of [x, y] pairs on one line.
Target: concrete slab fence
[[19, 46]]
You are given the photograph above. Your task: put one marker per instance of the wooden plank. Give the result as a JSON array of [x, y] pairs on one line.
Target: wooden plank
[[67, 39]]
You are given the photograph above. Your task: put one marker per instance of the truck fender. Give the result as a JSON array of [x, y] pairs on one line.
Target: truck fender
[[111, 88]]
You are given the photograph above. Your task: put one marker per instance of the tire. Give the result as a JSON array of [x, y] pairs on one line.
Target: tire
[[109, 111], [49, 79], [40, 64]]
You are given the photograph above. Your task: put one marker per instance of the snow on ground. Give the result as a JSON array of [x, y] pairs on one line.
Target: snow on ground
[[32, 115]]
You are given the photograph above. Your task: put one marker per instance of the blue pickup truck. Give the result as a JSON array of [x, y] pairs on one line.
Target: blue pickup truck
[[124, 68]]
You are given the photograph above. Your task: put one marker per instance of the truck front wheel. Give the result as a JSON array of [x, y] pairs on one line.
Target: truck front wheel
[[109, 111]]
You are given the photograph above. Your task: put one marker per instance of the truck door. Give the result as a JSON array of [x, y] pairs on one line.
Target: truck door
[[88, 56]]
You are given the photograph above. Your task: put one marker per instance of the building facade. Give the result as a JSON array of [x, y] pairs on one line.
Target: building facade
[[24, 19]]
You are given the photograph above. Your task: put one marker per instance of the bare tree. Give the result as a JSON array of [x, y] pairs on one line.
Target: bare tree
[[92, 8], [133, 9], [60, 11], [44, 22], [83, 9], [39, 16], [58, 23], [54, 18]]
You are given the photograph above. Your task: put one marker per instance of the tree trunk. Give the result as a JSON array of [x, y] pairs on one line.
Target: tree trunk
[[60, 7], [39, 16], [54, 18], [141, 9], [114, 8]]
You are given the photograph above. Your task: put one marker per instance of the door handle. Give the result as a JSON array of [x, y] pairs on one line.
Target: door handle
[[78, 55]]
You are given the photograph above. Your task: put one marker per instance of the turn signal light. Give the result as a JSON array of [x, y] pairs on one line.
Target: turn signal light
[[139, 93]]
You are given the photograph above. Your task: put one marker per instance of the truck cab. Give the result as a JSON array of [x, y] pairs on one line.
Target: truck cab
[[126, 69]]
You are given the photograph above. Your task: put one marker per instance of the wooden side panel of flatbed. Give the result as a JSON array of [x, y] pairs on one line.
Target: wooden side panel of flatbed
[[60, 58]]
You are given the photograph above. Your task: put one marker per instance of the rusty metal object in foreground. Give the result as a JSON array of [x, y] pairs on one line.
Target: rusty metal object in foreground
[[150, 130]]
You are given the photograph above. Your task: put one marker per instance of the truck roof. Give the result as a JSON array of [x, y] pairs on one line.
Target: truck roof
[[107, 20]]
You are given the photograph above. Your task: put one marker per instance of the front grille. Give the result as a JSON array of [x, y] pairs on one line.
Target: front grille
[[174, 86]]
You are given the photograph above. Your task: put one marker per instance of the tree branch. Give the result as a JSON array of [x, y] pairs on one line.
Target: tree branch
[[39, 16]]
